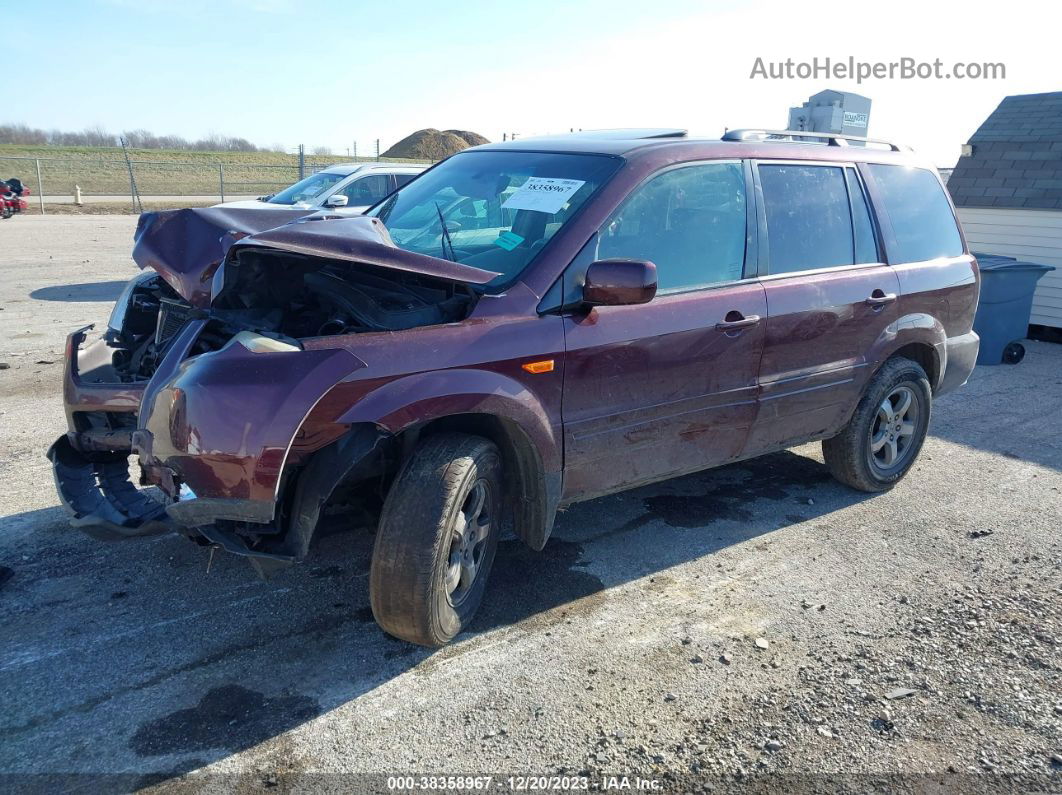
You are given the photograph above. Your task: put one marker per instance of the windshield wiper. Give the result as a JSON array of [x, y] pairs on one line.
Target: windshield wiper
[[445, 239]]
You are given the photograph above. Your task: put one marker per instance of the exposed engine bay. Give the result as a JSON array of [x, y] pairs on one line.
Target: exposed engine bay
[[297, 296], [282, 295]]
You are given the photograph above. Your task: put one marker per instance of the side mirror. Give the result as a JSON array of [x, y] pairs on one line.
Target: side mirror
[[619, 282], [336, 200]]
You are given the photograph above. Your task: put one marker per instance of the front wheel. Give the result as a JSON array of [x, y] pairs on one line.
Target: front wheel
[[885, 434], [437, 538]]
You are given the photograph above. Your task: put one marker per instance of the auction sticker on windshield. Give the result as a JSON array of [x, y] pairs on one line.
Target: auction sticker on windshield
[[543, 194]]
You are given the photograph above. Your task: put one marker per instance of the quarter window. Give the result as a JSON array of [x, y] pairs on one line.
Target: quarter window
[[367, 190], [921, 217], [689, 222], [809, 219]]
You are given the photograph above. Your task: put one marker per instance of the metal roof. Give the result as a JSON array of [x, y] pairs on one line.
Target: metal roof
[[1017, 156], [349, 168]]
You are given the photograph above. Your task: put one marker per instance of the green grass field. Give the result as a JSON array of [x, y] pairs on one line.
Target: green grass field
[[102, 171]]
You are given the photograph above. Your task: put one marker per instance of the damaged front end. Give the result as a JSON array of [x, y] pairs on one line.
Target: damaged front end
[[202, 374]]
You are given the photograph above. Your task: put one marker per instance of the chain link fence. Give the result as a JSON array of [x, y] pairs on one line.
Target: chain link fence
[[107, 183]]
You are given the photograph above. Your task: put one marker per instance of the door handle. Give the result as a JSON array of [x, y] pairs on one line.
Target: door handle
[[880, 298], [741, 322]]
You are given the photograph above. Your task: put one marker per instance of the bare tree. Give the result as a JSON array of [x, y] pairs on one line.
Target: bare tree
[[137, 139], [21, 134], [97, 136]]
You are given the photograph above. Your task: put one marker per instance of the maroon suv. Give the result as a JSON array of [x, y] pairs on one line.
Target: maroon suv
[[523, 326]]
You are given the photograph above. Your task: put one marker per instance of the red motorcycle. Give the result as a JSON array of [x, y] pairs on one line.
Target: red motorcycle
[[11, 193]]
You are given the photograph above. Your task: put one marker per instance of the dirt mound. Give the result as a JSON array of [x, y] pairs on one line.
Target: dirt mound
[[471, 138], [432, 144]]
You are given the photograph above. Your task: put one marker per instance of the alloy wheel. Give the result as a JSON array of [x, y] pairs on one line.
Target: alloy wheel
[[468, 542], [893, 432]]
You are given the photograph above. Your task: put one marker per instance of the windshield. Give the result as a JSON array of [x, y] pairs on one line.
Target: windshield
[[307, 189], [492, 210]]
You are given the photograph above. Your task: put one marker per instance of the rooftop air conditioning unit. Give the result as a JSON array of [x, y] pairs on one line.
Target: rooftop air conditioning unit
[[832, 112]]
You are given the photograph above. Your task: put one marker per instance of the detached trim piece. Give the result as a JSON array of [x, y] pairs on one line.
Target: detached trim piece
[[104, 503]]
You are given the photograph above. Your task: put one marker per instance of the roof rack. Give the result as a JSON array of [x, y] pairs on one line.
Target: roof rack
[[830, 139]]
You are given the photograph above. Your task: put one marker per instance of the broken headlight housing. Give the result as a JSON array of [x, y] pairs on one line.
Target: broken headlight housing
[[121, 306]]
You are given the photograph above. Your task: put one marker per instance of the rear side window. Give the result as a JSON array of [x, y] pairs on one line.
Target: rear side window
[[367, 190], [402, 179], [689, 222], [809, 219], [922, 220]]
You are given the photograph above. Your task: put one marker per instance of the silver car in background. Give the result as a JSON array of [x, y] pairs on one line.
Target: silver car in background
[[345, 188]]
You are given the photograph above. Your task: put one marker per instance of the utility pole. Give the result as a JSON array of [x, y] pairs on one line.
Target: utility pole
[[355, 151], [302, 161], [377, 150]]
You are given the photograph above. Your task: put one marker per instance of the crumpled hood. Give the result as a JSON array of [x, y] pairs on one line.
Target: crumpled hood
[[186, 246], [358, 239]]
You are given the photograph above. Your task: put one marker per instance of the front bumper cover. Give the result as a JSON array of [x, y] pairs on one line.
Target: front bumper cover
[[103, 502]]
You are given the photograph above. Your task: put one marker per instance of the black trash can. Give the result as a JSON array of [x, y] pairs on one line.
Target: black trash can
[[1002, 320]]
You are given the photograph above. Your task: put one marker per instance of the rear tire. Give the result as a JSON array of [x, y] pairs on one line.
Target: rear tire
[[437, 538], [882, 440]]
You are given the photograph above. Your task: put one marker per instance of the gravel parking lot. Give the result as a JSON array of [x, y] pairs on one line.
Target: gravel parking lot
[[753, 620]]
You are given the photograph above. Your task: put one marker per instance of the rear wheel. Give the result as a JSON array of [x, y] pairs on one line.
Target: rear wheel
[[437, 538], [885, 434]]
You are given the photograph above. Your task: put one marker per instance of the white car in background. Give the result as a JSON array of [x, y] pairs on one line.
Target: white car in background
[[346, 188]]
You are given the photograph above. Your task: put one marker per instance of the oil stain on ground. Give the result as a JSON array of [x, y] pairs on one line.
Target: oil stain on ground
[[228, 718], [720, 496]]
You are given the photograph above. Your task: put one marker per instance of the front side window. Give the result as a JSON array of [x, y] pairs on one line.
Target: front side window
[[689, 222], [809, 219], [921, 217], [308, 189], [493, 210], [366, 191]]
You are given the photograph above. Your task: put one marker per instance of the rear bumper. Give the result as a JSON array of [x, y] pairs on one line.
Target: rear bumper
[[960, 359]]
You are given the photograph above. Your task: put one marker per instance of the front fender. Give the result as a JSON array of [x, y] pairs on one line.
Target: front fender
[[223, 422], [423, 397]]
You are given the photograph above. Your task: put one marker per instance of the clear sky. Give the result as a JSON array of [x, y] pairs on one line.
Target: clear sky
[[328, 72]]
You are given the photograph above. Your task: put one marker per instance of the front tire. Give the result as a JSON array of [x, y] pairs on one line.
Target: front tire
[[437, 538], [882, 440]]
